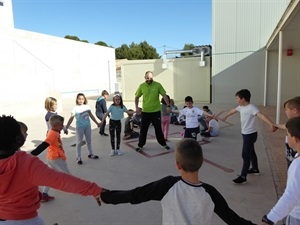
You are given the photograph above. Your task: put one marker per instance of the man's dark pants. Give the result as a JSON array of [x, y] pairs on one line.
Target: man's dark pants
[[155, 119]]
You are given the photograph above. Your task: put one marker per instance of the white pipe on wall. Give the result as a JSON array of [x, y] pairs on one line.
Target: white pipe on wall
[[279, 78], [266, 78]]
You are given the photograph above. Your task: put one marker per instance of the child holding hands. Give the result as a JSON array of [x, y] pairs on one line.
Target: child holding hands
[[292, 109], [289, 204], [56, 157], [82, 113], [248, 114], [185, 199], [116, 111], [191, 113], [21, 174], [51, 107]]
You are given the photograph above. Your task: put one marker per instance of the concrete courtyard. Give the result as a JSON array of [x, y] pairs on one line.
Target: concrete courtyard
[[222, 164]]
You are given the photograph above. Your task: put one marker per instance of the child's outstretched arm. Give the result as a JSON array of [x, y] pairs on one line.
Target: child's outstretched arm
[[94, 119], [39, 149], [104, 117], [69, 123], [40, 174], [209, 115], [223, 210], [267, 120], [153, 191], [280, 126], [231, 112]]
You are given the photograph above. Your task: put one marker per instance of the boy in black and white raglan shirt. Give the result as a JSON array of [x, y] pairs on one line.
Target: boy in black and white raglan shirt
[[185, 199]]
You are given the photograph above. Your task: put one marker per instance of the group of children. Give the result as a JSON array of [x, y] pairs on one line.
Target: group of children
[[29, 172], [193, 116], [169, 114]]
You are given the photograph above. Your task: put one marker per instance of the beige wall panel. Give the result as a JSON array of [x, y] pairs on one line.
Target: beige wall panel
[[133, 75], [183, 77], [290, 77], [193, 80]]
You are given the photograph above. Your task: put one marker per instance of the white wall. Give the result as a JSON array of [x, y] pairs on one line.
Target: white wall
[[34, 66], [6, 15], [241, 30]]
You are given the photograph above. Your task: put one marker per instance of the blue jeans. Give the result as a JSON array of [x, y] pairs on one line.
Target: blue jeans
[[248, 153]]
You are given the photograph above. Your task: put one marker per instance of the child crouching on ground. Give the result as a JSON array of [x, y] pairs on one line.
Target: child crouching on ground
[[137, 118], [198, 203], [129, 126]]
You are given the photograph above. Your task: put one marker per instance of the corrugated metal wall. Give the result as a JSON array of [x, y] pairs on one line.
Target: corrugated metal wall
[[241, 29]]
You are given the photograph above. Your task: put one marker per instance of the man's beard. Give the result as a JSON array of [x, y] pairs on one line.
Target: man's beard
[[149, 81]]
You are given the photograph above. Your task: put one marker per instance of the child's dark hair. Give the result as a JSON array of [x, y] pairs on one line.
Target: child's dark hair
[[244, 94], [293, 126], [293, 103], [23, 126], [104, 92], [121, 100], [56, 119], [205, 107], [189, 154], [188, 99], [81, 94], [130, 112], [163, 100], [11, 137]]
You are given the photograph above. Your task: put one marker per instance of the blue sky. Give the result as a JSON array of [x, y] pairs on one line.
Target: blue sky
[[164, 24]]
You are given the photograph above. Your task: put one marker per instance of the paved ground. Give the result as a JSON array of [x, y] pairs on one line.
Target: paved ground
[[222, 164]]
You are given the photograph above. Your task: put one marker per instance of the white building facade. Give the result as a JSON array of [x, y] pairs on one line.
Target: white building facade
[[252, 45], [34, 66]]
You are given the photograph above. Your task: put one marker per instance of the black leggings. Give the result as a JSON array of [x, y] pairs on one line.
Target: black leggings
[[115, 128]]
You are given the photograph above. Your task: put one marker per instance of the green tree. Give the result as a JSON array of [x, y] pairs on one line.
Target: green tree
[[149, 52], [102, 43], [75, 38], [187, 47], [86, 41], [135, 52], [122, 52]]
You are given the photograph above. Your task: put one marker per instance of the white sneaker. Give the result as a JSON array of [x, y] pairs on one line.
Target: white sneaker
[[199, 138], [112, 152], [119, 152]]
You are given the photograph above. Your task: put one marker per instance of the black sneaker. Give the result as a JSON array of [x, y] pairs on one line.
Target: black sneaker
[[93, 156], [253, 172], [166, 147], [79, 161], [240, 180], [103, 134], [138, 148]]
